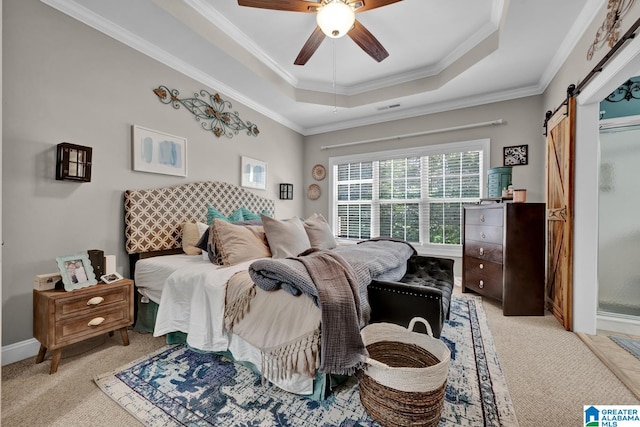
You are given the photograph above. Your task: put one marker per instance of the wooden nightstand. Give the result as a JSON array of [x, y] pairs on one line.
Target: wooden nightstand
[[61, 318]]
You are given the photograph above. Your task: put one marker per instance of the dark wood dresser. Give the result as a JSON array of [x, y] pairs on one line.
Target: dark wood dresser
[[504, 255]]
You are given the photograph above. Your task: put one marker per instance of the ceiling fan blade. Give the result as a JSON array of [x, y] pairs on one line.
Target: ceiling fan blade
[[286, 5], [367, 42], [364, 5], [310, 46]]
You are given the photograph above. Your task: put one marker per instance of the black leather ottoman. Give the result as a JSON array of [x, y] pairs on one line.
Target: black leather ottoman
[[424, 291]]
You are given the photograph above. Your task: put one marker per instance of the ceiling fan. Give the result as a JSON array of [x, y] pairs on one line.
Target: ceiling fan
[[335, 18]]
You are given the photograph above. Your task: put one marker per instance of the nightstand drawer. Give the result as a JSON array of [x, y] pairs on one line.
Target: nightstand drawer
[[78, 304], [483, 250], [78, 328]]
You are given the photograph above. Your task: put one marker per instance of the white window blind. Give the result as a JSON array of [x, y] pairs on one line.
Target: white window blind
[[414, 194]]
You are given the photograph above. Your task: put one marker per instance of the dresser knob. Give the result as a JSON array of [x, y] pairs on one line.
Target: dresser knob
[[481, 251], [483, 235], [481, 266], [481, 284], [481, 218], [95, 321], [95, 301]]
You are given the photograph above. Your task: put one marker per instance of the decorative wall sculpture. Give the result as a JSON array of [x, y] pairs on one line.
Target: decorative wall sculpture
[[212, 113], [609, 31]]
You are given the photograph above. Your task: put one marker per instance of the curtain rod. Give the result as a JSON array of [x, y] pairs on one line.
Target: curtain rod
[[409, 135]]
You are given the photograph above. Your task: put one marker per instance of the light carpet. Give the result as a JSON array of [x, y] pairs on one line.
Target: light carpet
[[629, 344], [178, 386]]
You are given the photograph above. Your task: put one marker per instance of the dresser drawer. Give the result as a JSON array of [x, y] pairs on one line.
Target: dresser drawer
[[483, 233], [484, 216], [78, 304], [483, 277], [483, 250], [78, 328]]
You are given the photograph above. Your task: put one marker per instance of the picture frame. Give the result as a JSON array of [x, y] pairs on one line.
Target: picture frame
[[76, 271], [515, 155], [110, 278], [158, 152], [253, 173]]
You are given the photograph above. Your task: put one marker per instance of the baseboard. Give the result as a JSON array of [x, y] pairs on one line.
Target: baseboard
[[19, 351], [622, 324]]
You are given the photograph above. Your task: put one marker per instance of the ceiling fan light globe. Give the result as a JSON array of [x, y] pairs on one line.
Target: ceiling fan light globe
[[335, 19]]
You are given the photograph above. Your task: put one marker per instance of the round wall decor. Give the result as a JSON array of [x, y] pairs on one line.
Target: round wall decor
[[313, 192], [318, 172]]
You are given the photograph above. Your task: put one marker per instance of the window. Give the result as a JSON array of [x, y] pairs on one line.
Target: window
[[413, 194]]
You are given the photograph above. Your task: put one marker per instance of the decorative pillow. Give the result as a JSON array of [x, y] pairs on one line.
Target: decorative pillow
[[247, 215], [213, 213], [319, 233], [203, 245], [233, 244], [287, 237], [190, 236]]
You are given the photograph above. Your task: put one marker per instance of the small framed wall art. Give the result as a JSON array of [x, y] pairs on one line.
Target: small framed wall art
[[76, 271], [516, 155], [158, 152], [253, 173]]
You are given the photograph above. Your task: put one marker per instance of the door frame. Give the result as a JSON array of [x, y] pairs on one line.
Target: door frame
[[585, 262]]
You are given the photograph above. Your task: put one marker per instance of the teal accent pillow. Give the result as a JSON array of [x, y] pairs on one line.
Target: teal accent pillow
[[247, 215], [236, 216], [213, 213]]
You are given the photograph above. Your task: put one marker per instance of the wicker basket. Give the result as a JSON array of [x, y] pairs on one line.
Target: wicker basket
[[404, 382]]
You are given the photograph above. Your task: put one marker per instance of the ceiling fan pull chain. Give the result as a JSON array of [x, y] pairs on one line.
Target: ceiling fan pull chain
[[335, 95]]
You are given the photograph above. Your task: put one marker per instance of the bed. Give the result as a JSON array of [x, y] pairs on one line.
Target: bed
[[263, 308]]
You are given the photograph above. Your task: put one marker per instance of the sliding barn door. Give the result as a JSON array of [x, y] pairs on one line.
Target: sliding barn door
[[560, 173]]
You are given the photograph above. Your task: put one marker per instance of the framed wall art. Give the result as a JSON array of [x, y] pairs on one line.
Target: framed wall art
[[253, 173], [516, 155], [76, 271], [158, 152]]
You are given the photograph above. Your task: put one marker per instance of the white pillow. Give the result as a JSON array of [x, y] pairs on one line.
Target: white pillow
[[287, 238], [319, 233]]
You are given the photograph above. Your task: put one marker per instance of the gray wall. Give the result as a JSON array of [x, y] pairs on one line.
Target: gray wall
[[64, 81]]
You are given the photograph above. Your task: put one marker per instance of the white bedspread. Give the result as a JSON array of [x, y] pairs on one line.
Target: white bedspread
[[151, 273], [193, 301]]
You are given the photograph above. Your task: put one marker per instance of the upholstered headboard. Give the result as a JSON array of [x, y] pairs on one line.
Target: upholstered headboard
[[153, 218]]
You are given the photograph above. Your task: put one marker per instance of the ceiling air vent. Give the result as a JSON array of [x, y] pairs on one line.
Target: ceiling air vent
[[387, 107]]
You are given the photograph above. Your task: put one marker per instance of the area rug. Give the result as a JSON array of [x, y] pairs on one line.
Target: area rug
[[178, 386], [629, 344]]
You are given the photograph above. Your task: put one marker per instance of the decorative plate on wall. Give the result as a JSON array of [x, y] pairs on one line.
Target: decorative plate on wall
[[313, 192], [318, 172]]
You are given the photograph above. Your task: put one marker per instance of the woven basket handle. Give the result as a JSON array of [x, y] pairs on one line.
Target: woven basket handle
[[423, 321], [376, 363]]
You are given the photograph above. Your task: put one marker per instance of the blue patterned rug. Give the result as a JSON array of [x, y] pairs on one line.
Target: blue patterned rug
[[629, 344], [176, 386]]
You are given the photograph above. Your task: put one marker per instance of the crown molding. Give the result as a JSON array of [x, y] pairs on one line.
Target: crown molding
[[579, 27], [427, 109], [212, 15]]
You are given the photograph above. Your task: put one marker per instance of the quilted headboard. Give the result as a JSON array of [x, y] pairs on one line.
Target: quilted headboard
[[153, 218]]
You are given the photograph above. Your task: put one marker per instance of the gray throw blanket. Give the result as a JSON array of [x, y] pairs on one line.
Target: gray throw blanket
[[347, 270], [342, 349]]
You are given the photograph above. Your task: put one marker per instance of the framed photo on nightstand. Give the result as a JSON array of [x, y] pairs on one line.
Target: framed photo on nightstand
[[110, 278], [76, 271]]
